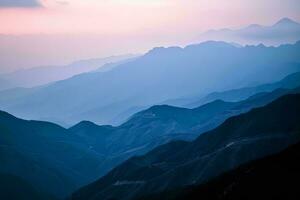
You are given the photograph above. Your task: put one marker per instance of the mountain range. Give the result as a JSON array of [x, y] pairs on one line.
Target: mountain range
[[46, 74], [283, 31], [240, 139], [159, 75], [88, 151], [289, 82], [161, 124], [214, 120]]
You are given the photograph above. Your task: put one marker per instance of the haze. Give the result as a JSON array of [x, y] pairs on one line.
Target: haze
[[49, 32]]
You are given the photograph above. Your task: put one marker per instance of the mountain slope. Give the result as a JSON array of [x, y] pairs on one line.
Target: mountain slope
[[46, 74], [161, 124], [272, 177], [240, 139], [15, 188], [289, 82], [69, 158], [45, 155], [161, 74], [145, 130]]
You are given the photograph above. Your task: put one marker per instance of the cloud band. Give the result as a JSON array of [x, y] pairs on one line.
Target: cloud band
[[19, 3]]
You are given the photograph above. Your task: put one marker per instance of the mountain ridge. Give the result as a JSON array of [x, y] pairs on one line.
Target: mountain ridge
[[155, 78], [160, 169], [283, 31]]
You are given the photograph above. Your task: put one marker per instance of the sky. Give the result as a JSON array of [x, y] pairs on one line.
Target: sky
[[48, 32]]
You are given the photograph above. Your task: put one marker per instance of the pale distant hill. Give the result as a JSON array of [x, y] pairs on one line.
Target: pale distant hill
[[159, 75], [283, 31], [47, 74]]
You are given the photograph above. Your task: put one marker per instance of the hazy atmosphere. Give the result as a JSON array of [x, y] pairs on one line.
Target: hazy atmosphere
[[149, 99], [51, 32]]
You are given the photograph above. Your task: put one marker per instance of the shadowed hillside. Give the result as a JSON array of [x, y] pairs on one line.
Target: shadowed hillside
[[238, 140]]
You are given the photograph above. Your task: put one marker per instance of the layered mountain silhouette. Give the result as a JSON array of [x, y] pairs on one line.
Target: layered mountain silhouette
[[289, 82], [240, 139], [46, 74], [66, 159], [161, 124], [159, 75], [272, 177], [283, 31]]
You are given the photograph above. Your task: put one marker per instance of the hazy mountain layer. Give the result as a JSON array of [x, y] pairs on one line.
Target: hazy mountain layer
[[65, 159], [235, 95], [100, 148], [46, 74], [282, 32], [159, 75]]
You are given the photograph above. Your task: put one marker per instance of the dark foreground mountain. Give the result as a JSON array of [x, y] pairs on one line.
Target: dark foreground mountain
[[161, 124], [238, 140], [66, 159], [45, 155], [269, 178], [15, 188]]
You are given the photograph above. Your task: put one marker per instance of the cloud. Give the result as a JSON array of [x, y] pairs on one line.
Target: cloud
[[19, 3]]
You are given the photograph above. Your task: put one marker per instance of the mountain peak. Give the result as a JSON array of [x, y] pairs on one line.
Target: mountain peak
[[254, 26], [84, 124], [286, 21], [163, 50], [210, 44]]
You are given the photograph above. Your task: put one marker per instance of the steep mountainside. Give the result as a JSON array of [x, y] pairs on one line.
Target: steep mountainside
[[161, 124], [45, 155], [269, 178], [68, 158], [238, 140]]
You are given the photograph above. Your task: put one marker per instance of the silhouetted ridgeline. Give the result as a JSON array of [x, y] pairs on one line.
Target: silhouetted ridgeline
[[159, 75], [260, 132]]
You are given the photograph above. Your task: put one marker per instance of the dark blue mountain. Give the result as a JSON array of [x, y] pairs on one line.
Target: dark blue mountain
[[69, 158], [240, 139], [161, 124], [269, 178], [13, 187], [45, 155]]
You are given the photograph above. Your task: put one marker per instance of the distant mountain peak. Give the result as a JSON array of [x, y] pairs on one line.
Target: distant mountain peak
[[84, 124], [163, 50], [254, 26], [286, 21], [210, 44]]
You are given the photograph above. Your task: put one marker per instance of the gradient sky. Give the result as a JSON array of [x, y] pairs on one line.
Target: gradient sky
[[59, 31]]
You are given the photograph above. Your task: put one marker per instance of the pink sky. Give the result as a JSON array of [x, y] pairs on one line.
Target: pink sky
[[140, 16], [105, 27]]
